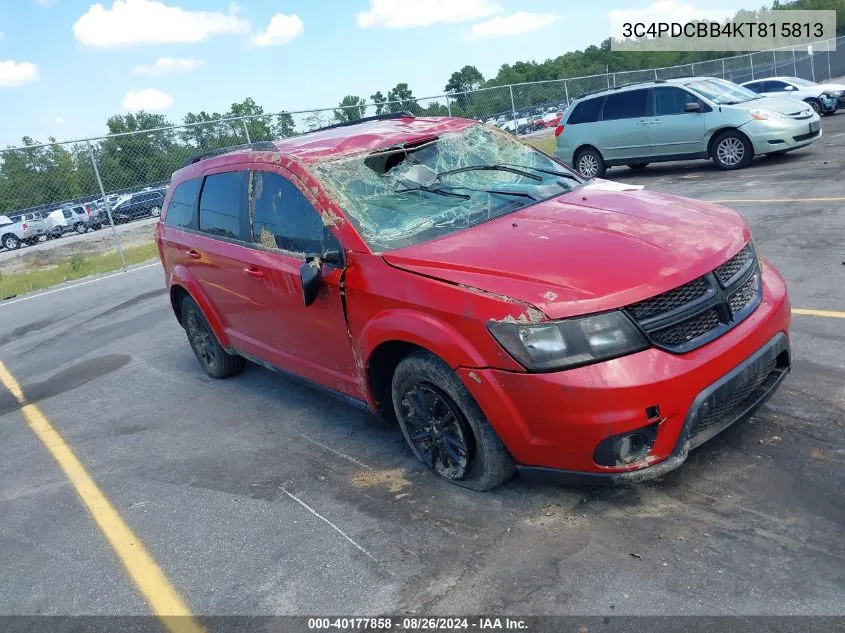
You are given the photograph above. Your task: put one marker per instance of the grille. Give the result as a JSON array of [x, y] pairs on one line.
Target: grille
[[743, 296], [731, 402], [669, 300], [730, 268], [804, 137], [688, 330]]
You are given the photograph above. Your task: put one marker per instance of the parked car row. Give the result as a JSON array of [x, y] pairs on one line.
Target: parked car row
[[683, 119]]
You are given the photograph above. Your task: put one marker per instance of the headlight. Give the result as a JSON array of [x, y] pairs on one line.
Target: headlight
[[570, 342], [766, 115]]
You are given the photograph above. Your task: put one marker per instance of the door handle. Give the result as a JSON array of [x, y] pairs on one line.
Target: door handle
[[642, 122], [656, 121], [194, 254], [252, 271]]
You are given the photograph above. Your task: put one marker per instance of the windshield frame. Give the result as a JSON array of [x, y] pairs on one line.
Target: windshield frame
[[722, 99], [432, 227]]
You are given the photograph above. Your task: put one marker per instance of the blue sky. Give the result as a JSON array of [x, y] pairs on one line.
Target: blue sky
[[66, 65]]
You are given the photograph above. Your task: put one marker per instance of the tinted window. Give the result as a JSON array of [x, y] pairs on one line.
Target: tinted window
[[673, 101], [586, 111], [284, 218], [220, 205], [756, 86], [626, 105], [774, 86], [181, 210], [67, 213]]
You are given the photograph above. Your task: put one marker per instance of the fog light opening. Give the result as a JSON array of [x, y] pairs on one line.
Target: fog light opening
[[626, 448], [630, 448]]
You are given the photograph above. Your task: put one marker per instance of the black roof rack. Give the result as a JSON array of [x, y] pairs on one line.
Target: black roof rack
[[379, 117], [258, 146]]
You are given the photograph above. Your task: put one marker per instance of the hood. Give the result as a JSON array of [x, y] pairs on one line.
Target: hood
[[832, 87], [777, 104], [585, 251]]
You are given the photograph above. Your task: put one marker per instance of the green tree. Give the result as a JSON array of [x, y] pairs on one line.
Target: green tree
[[464, 80], [352, 108], [378, 100], [401, 98]]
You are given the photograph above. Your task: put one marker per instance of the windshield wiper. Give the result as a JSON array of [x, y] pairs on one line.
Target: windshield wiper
[[552, 172], [519, 172], [501, 192], [439, 192]]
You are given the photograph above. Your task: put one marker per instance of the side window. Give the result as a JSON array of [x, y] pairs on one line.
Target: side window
[[669, 101], [67, 213], [181, 210], [220, 205], [586, 111], [282, 217], [626, 105], [756, 86], [775, 86]]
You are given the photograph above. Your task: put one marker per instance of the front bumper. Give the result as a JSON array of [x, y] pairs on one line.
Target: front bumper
[[554, 421], [774, 136]]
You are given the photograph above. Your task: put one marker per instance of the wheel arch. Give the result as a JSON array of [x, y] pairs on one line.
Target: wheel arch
[[182, 284], [728, 128]]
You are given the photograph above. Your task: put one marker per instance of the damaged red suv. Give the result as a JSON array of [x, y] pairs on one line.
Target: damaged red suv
[[506, 312]]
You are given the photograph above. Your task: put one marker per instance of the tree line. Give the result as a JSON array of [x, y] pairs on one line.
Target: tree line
[[54, 173]]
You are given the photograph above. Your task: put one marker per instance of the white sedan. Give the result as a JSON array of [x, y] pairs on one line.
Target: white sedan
[[823, 98]]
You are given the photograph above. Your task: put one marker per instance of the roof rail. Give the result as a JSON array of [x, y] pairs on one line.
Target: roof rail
[[258, 146], [620, 86], [379, 117]]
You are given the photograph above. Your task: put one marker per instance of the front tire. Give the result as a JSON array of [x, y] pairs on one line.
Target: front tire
[[589, 163], [445, 427], [155, 212], [80, 228], [732, 150], [215, 360], [11, 242]]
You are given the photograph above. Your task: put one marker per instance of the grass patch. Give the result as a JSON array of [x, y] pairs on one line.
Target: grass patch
[[545, 143], [74, 267]]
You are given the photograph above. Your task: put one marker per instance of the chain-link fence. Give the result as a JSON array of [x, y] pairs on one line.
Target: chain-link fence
[[76, 207]]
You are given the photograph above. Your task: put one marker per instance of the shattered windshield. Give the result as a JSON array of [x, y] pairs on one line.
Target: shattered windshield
[[406, 195]]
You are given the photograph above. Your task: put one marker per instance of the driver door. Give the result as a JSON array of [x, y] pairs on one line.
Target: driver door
[[311, 341]]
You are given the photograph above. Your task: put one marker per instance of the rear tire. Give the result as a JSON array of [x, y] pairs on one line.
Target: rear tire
[[815, 104], [445, 427], [155, 212], [215, 360], [731, 150], [589, 163], [80, 228]]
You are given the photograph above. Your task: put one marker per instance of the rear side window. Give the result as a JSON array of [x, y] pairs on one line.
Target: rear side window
[[626, 105], [181, 210], [220, 205], [283, 217], [756, 86], [67, 213], [586, 111], [775, 86]]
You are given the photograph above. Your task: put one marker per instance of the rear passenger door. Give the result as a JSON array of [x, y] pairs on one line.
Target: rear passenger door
[[284, 227], [625, 127]]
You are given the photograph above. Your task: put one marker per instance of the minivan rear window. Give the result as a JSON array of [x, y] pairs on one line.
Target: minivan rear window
[[626, 105], [586, 111]]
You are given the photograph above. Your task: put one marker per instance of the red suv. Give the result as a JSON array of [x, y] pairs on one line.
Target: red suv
[[506, 312]]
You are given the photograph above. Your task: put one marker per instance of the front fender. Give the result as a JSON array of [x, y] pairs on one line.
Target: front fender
[[180, 276]]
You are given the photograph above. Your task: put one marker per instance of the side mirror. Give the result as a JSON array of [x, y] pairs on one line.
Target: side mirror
[[311, 274], [790, 88], [695, 106]]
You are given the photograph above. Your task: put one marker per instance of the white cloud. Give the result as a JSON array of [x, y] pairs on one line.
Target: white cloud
[[281, 30], [513, 24], [60, 120], [14, 73], [401, 14], [148, 99], [167, 66], [44, 3], [133, 22]]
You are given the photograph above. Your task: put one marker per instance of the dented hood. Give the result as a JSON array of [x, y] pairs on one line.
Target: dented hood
[[585, 251]]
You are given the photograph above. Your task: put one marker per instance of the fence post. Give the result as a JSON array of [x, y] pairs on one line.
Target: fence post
[[774, 64], [448, 105], [566, 92], [655, 74], [246, 131], [106, 203], [794, 64], [813, 63], [829, 72], [513, 112], [723, 68], [751, 61]]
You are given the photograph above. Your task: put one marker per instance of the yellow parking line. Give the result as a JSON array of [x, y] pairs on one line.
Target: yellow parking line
[[773, 200], [147, 575], [833, 314]]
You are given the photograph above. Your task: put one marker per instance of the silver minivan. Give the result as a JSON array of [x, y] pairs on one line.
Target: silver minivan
[[680, 119]]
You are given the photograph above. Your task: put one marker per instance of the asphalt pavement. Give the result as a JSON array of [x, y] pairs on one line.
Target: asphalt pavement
[[257, 495]]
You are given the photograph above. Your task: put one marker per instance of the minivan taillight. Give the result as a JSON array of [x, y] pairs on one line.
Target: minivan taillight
[[558, 130]]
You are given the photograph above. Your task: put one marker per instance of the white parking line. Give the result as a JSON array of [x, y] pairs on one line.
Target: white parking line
[[84, 283]]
